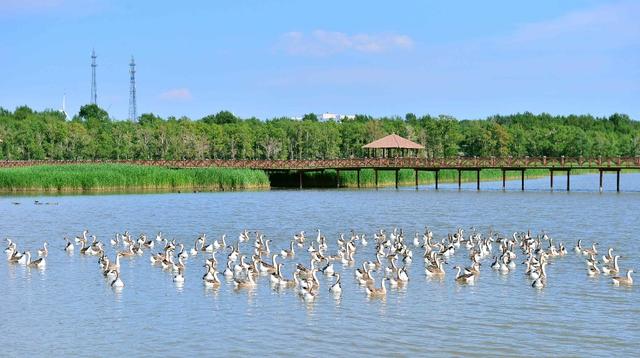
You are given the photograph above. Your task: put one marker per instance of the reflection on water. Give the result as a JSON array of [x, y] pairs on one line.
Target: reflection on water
[[500, 314]]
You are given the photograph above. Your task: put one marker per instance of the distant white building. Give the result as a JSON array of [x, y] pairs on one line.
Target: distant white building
[[329, 117]]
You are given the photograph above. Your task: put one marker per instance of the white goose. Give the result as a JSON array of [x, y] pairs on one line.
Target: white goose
[[336, 288], [117, 282]]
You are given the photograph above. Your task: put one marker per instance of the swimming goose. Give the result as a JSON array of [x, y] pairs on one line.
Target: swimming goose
[[179, 265], [608, 258], [593, 270], [194, 250], [541, 281], [328, 269], [183, 254], [179, 277], [435, 270], [308, 294], [44, 251], [591, 251], [115, 241], [78, 239], [578, 247], [361, 272], [247, 282], [626, 281], [283, 282], [84, 250], [504, 268], [608, 270], [217, 245], [112, 265], [211, 278], [18, 257], [129, 252], [167, 262], [117, 282], [495, 265], [227, 271], [403, 276], [269, 268], [235, 252], [10, 246], [464, 278], [205, 247], [373, 291], [363, 240], [336, 288], [39, 263], [288, 253], [239, 267], [244, 236], [474, 269]]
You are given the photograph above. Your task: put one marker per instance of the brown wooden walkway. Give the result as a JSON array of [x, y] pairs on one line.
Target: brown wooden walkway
[[560, 164]]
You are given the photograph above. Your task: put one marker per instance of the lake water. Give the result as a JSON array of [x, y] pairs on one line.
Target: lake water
[[68, 309]]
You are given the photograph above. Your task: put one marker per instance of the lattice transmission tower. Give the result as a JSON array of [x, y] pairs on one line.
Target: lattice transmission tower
[[132, 91], [94, 90]]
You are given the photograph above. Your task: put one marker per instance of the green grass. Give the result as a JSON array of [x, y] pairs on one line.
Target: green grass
[[116, 177]]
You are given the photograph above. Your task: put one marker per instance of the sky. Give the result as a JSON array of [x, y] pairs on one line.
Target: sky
[[272, 58]]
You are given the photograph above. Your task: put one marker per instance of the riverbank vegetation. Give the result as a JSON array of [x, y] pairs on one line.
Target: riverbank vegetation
[[91, 134], [121, 177]]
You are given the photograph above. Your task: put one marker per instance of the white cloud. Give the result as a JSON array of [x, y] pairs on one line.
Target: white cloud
[[176, 94], [608, 25], [323, 43]]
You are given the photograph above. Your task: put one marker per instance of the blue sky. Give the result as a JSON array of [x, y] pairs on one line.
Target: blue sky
[[267, 58]]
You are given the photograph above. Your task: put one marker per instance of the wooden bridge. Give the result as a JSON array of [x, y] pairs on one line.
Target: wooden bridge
[[475, 164]]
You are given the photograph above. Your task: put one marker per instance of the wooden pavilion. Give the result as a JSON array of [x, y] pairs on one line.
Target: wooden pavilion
[[393, 146]]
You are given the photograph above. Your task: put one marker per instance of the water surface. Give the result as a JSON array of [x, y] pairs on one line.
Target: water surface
[[69, 310]]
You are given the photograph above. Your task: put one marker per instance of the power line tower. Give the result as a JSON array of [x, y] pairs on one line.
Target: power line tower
[[132, 91], [94, 90]]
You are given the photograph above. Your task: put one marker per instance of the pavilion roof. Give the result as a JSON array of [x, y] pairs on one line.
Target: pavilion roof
[[393, 141]]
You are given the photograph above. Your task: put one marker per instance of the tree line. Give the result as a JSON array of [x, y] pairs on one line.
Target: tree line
[[26, 134]]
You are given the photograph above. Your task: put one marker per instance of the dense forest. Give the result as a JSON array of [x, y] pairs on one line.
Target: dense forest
[[91, 134]]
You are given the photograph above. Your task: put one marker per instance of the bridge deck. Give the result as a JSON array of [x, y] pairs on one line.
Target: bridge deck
[[462, 163]]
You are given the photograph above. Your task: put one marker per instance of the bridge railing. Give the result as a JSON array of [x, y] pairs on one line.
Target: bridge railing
[[360, 163]]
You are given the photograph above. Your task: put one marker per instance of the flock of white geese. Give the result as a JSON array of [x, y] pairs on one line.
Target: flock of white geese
[[247, 259]]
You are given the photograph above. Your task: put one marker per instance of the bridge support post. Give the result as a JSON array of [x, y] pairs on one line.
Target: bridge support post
[[416, 178], [504, 179], [568, 179], [522, 179], [337, 178], [358, 176], [397, 170], [376, 175], [601, 179], [551, 178], [478, 179], [300, 178], [459, 179], [437, 172], [618, 180]]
